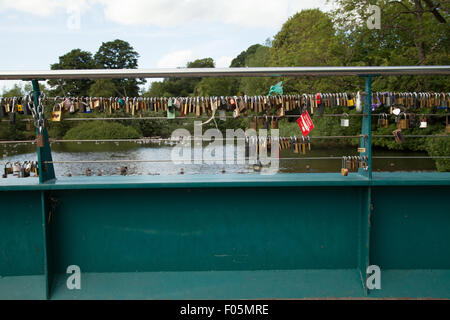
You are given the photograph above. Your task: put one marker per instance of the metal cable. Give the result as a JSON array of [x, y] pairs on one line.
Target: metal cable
[[227, 117], [155, 140], [192, 161]]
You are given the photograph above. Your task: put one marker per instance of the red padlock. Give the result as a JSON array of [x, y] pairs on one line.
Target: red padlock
[[319, 98]]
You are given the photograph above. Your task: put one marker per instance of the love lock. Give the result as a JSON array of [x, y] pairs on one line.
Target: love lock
[[344, 169], [345, 122], [16, 169], [423, 122]]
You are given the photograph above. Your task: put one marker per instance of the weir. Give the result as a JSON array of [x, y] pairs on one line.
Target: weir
[[283, 236]]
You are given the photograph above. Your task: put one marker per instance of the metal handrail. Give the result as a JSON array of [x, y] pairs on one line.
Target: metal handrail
[[224, 72]]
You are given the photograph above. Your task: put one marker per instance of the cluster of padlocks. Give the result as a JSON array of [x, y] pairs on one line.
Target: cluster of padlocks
[[20, 169]]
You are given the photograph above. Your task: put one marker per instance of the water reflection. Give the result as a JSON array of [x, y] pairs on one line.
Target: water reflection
[[158, 152]]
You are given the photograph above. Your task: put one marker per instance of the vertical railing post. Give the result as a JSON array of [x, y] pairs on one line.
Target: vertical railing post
[[44, 154], [366, 131], [366, 209]]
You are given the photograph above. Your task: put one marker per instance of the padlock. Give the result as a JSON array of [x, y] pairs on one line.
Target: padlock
[[281, 112], [236, 113], [345, 122], [26, 169], [40, 140], [274, 123], [16, 169], [383, 121], [403, 123], [344, 170], [57, 115], [423, 122], [8, 169], [296, 145], [350, 101], [303, 145]]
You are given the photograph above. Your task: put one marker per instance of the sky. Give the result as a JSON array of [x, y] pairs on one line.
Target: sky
[[165, 33]]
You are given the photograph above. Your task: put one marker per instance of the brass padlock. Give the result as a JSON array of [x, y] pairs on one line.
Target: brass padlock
[[40, 140], [403, 123], [296, 146], [274, 123], [383, 121]]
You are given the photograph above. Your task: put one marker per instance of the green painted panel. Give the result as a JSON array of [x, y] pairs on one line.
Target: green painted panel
[[410, 228], [206, 229], [418, 284], [273, 284], [22, 288], [21, 237]]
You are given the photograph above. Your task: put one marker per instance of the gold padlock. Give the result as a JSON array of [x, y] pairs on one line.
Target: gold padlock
[[403, 123], [56, 115]]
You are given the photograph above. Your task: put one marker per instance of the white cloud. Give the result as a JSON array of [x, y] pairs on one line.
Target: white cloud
[[176, 59], [45, 8], [223, 62], [175, 13], [164, 13]]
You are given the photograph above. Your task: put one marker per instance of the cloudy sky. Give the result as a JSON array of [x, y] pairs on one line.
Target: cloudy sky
[[166, 33]]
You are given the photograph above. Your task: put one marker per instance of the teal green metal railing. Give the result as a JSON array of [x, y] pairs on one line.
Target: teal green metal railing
[[227, 236]]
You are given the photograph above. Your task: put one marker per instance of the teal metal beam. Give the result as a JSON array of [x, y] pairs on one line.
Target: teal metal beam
[[46, 170], [366, 131]]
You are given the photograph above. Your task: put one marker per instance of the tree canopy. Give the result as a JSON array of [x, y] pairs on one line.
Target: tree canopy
[[413, 32], [75, 59]]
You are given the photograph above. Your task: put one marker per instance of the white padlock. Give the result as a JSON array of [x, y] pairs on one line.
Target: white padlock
[[345, 122], [423, 122]]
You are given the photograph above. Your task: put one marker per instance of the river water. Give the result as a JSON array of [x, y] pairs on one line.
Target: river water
[[118, 152]]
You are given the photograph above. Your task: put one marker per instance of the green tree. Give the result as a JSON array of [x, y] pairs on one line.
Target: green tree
[[413, 32], [308, 38], [103, 88], [15, 91], [75, 59], [257, 86], [242, 59], [180, 87], [215, 87], [119, 54]]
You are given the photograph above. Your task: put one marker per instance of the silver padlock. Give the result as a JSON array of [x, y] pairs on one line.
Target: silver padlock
[[16, 169], [345, 122]]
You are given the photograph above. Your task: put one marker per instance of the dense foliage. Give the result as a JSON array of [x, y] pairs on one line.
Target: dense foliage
[[413, 32]]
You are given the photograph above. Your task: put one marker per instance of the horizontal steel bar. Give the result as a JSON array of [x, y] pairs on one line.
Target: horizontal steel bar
[[223, 72]]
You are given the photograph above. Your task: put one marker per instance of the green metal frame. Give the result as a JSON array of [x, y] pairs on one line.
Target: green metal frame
[[226, 236]]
